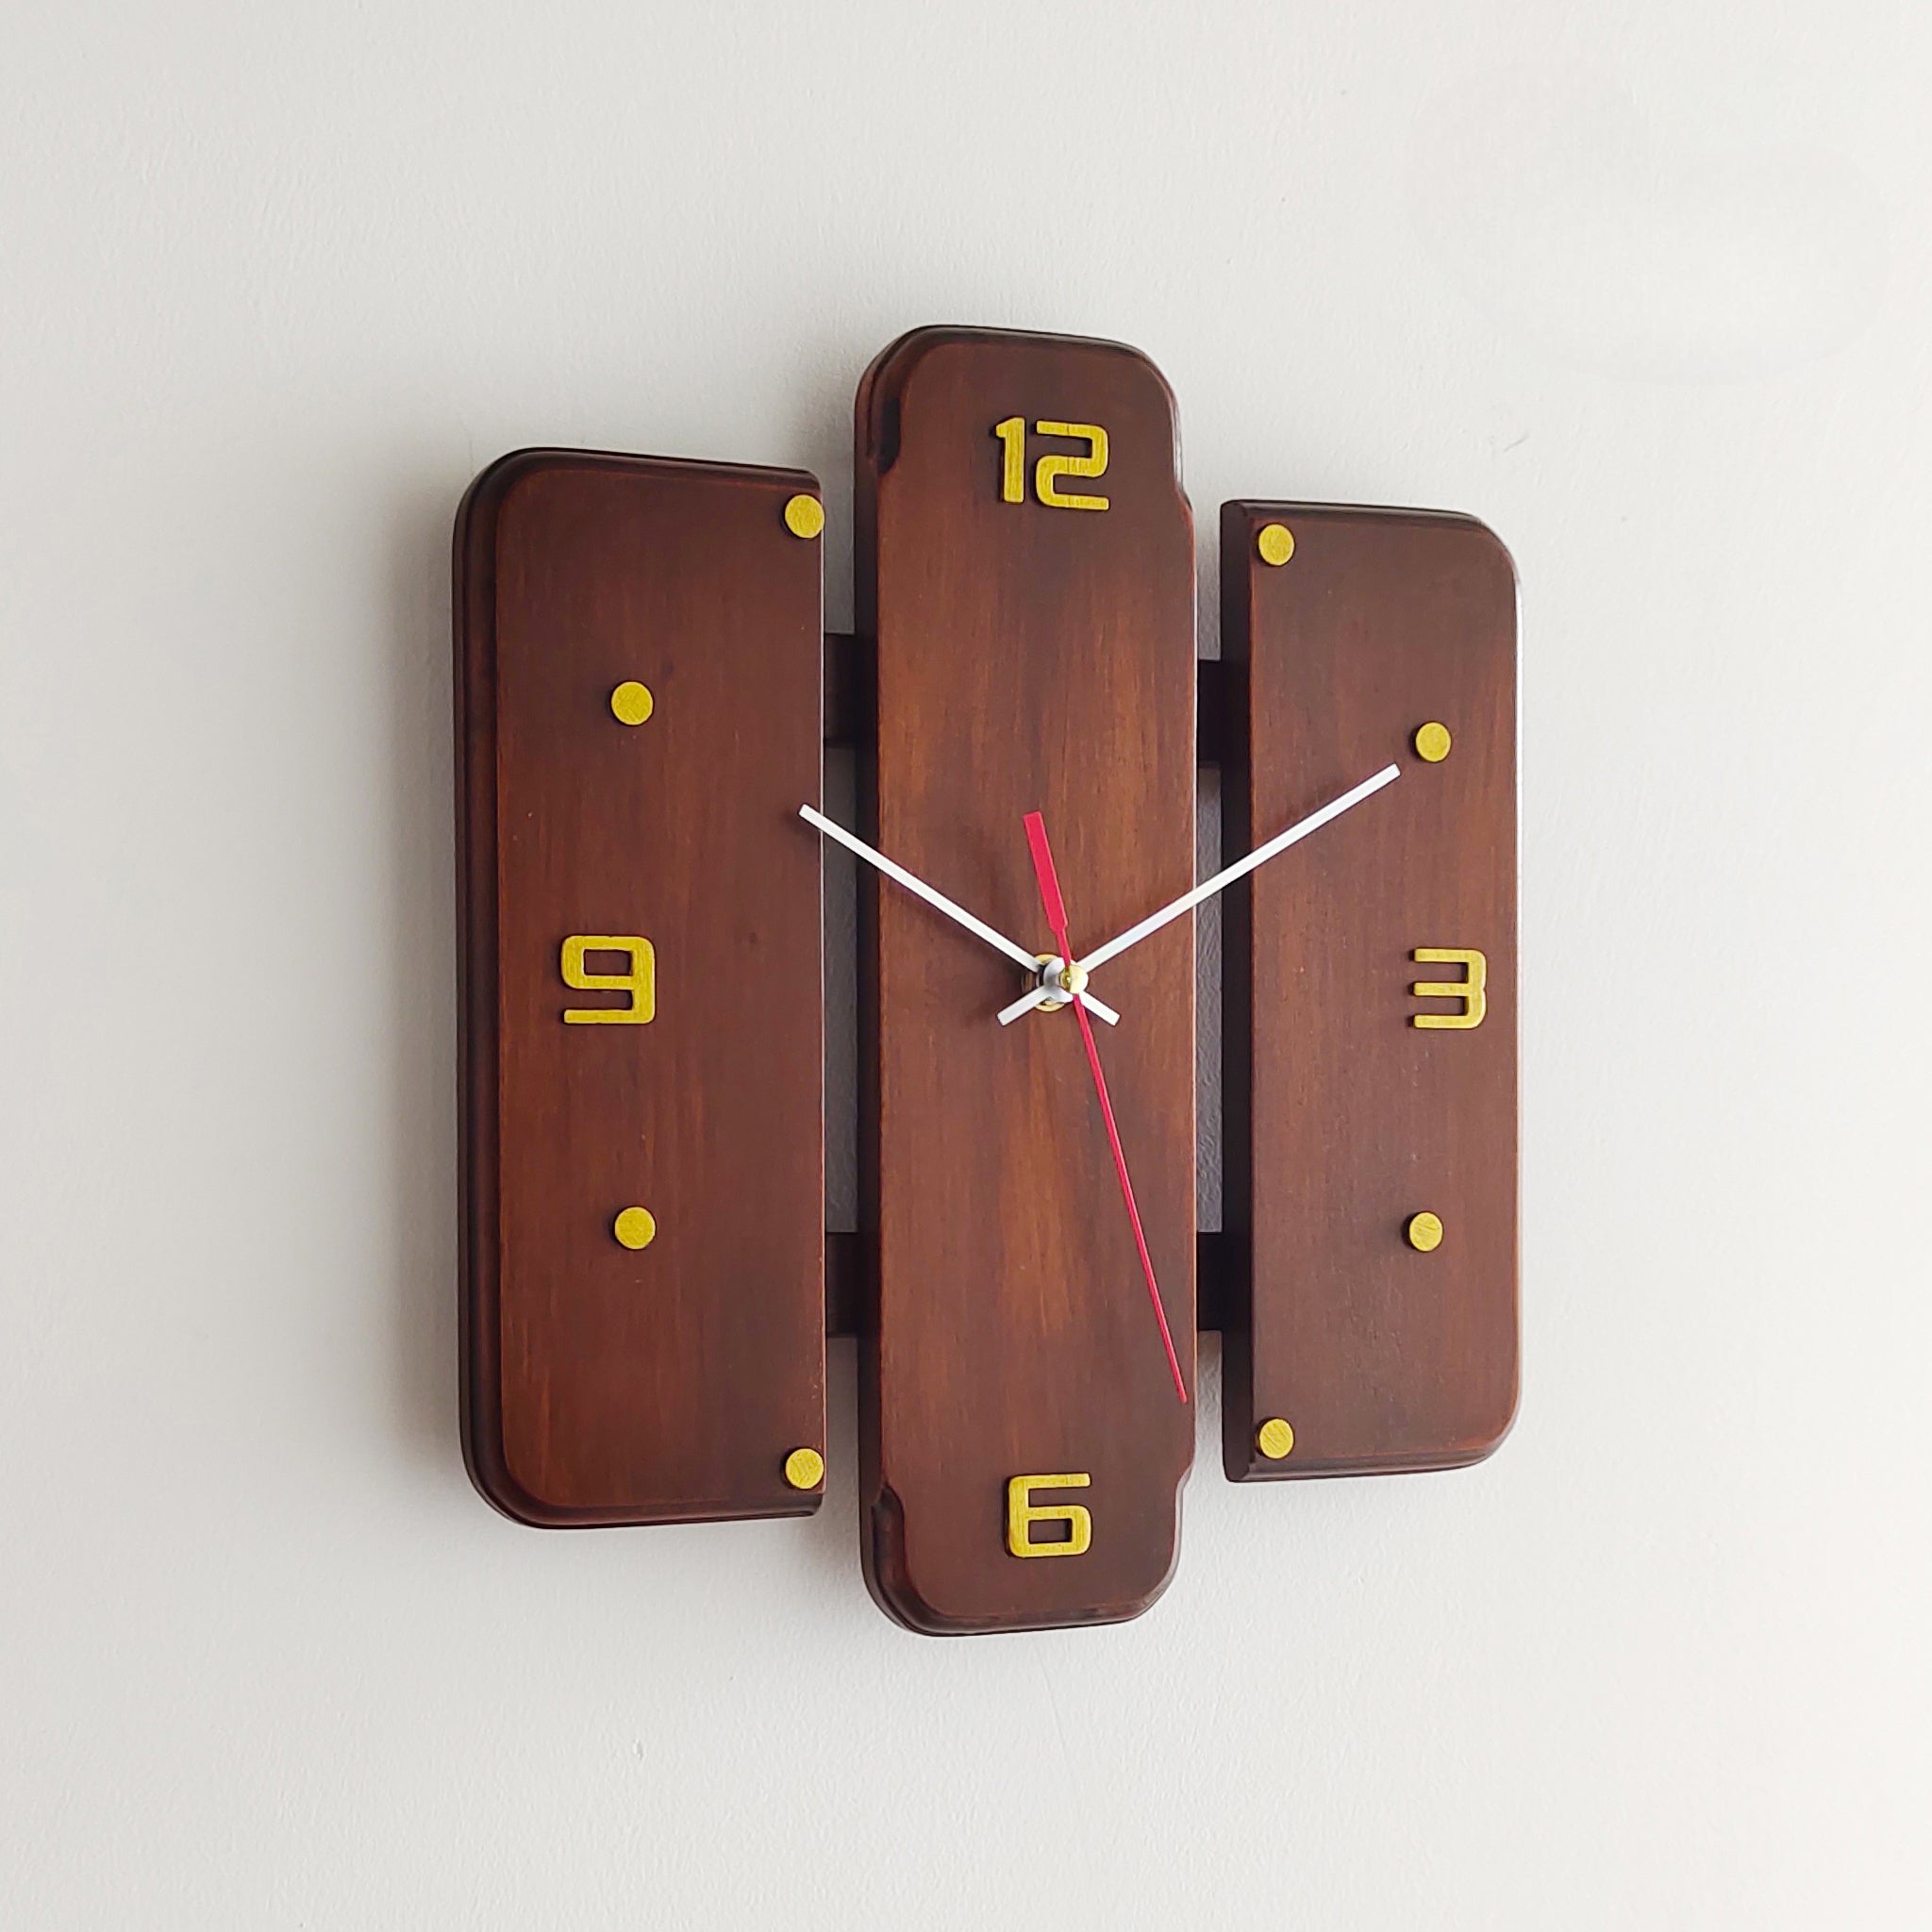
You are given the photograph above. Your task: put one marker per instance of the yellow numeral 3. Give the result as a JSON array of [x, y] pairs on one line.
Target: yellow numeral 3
[[1471, 989], [639, 979]]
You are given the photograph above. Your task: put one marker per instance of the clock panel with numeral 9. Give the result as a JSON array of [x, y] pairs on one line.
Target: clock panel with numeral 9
[[637, 688]]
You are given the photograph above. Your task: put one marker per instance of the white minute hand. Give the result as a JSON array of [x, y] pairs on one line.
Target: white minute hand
[[939, 902], [1208, 888]]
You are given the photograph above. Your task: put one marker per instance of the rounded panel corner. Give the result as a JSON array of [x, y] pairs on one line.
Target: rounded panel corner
[[1487, 1445], [493, 484], [487, 1459], [1498, 550]]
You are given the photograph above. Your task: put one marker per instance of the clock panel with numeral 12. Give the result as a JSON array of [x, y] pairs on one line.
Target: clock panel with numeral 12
[[1369, 1019], [1024, 560], [638, 688]]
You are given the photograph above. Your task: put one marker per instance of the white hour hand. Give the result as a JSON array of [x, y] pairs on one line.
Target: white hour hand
[[939, 902]]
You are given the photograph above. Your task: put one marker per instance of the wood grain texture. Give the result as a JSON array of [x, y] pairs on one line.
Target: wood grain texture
[[846, 687], [1017, 658], [845, 1280], [1342, 1118], [603, 1385]]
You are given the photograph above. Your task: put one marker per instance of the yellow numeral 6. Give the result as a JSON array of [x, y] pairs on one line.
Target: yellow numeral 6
[[1022, 1513]]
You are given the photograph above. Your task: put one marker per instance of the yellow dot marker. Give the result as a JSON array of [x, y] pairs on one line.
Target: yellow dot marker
[[805, 516], [1432, 742], [632, 702], [804, 1469], [1275, 1439], [1425, 1232], [1276, 543], [635, 1228]]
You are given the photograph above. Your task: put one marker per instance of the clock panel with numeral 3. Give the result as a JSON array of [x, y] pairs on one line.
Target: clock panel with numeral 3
[[1370, 1023]]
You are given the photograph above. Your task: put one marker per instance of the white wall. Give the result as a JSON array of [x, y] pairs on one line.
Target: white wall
[[1648, 288]]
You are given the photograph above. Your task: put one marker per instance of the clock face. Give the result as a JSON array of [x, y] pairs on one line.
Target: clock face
[[640, 723], [1026, 570]]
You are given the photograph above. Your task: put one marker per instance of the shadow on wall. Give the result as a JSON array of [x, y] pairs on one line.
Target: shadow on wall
[[422, 1115], [421, 1120]]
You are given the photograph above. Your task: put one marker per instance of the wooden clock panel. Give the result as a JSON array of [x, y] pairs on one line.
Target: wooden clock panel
[[638, 685], [1355, 1101], [1031, 652]]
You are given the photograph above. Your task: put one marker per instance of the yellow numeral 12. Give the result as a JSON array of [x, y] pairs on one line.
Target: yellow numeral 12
[[1051, 467], [639, 979]]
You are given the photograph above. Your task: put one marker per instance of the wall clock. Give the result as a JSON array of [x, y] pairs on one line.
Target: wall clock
[[643, 694]]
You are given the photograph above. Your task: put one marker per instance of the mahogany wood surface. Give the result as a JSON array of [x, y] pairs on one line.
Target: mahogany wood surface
[[847, 686], [603, 1385], [1027, 657], [845, 1279], [1344, 1118], [846, 692]]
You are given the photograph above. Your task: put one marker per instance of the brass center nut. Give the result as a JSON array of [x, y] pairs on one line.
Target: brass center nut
[[1051, 967]]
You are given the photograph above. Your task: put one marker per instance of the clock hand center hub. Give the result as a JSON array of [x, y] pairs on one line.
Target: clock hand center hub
[[1062, 983]]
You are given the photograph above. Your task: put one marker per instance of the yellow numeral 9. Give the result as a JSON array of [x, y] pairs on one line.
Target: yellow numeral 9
[[1050, 468], [639, 979], [1022, 1513]]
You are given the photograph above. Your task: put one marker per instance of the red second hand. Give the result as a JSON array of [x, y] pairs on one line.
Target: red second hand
[[1056, 919]]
